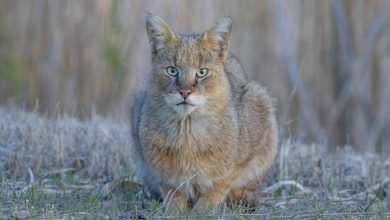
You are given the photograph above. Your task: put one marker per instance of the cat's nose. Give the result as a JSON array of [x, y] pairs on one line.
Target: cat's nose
[[185, 92]]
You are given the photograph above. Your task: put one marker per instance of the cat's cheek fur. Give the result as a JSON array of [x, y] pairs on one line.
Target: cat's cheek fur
[[197, 100], [163, 82]]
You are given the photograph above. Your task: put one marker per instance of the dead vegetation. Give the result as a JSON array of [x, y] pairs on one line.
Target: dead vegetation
[[65, 168]]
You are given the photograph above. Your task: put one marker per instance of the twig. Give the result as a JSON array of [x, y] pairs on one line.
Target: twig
[[54, 191], [31, 182], [372, 190], [280, 184], [369, 191], [60, 171], [31, 174]]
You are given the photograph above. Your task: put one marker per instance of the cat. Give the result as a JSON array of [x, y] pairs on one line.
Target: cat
[[202, 133]]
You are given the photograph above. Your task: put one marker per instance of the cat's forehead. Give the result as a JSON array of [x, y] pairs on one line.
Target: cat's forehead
[[189, 49], [188, 39]]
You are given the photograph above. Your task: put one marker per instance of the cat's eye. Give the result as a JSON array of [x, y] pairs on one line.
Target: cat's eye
[[172, 71], [202, 73]]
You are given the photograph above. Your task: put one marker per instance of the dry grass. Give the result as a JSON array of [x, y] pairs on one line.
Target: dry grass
[[65, 168]]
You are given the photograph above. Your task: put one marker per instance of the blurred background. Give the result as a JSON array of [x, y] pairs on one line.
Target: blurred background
[[326, 62]]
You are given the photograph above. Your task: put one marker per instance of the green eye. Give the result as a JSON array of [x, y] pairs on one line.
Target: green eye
[[202, 73], [172, 71]]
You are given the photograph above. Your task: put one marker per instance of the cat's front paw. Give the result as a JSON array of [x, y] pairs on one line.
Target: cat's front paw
[[203, 206]]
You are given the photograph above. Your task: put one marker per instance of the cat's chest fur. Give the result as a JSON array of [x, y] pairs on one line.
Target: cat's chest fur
[[189, 149]]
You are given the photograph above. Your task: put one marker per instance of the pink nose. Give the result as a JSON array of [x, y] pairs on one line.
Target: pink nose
[[185, 92]]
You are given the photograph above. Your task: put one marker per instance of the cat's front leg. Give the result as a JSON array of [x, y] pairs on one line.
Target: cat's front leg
[[174, 198], [213, 197]]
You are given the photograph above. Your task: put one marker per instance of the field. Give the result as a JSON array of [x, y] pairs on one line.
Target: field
[[326, 64], [67, 168]]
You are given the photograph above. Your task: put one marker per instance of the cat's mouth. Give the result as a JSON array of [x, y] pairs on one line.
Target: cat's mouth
[[185, 103]]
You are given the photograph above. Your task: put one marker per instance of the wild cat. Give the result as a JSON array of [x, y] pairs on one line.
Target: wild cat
[[203, 134]]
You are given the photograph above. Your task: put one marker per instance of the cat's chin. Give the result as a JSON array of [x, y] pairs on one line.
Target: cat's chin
[[184, 109]]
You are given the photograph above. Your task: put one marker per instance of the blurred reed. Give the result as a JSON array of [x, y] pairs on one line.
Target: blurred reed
[[326, 62]]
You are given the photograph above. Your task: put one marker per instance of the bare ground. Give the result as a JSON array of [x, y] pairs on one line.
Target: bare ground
[[67, 168]]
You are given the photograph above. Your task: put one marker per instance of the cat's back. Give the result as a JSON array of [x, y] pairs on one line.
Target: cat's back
[[235, 74], [254, 106]]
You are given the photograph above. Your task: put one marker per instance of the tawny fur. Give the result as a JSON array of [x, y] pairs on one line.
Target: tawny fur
[[218, 150]]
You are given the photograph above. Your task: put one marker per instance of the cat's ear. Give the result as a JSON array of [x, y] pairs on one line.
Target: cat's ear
[[218, 37], [160, 35]]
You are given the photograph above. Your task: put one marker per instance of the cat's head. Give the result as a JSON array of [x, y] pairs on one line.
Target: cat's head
[[188, 68]]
